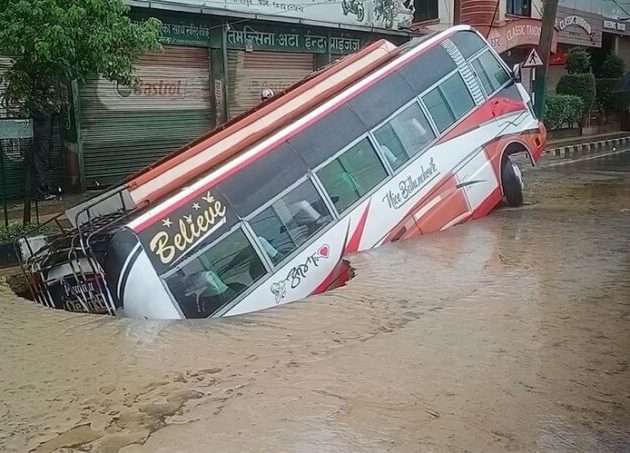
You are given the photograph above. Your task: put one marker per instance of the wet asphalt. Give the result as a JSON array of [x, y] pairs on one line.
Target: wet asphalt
[[511, 333]]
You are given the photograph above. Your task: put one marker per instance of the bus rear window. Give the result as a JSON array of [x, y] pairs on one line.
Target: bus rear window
[[468, 42], [449, 101], [490, 72]]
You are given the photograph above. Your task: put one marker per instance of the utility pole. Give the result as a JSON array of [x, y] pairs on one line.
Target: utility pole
[[544, 50]]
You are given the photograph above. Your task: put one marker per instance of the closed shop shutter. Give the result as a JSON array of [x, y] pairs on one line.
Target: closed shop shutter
[[123, 130], [251, 72], [13, 153]]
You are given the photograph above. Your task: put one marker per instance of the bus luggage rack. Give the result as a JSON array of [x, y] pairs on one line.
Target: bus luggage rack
[[63, 269]]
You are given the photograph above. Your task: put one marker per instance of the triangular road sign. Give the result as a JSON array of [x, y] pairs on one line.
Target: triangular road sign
[[533, 60]]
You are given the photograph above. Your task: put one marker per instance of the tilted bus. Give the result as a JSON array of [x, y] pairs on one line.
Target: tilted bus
[[415, 143]]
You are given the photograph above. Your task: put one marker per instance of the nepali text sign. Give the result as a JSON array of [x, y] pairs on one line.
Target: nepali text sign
[[258, 37]]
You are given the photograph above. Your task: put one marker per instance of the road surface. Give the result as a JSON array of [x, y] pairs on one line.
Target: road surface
[[511, 333]]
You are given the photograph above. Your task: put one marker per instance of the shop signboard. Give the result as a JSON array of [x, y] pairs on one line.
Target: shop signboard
[[614, 26], [386, 14], [520, 32], [184, 30], [578, 27], [250, 37]]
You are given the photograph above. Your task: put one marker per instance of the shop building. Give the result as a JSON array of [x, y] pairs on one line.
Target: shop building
[[214, 66], [215, 63]]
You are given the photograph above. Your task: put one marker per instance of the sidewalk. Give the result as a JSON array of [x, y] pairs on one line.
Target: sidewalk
[[46, 209], [577, 146]]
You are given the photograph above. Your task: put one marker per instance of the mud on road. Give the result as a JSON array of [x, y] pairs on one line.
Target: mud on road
[[511, 333]]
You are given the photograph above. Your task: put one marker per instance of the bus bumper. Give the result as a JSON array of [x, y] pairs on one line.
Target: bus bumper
[[539, 143]]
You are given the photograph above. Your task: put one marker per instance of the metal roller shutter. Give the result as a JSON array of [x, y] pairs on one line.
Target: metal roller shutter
[[251, 72], [13, 153], [124, 130]]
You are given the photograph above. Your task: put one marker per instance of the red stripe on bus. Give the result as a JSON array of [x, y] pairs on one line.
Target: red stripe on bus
[[491, 109], [355, 240], [337, 277], [488, 204]]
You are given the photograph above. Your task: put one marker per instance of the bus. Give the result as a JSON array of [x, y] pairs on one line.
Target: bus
[[387, 144]]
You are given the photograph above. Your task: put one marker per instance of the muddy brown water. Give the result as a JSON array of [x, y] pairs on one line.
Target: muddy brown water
[[511, 333]]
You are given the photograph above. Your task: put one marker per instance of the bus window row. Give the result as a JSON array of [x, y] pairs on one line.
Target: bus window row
[[284, 215]]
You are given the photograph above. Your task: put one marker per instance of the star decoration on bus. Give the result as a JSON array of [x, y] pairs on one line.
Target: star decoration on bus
[[196, 207], [167, 222]]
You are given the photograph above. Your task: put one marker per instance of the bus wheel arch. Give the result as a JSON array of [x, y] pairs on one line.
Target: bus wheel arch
[[512, 186]]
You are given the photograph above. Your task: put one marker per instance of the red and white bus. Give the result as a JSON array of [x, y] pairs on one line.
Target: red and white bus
[[389, 143]]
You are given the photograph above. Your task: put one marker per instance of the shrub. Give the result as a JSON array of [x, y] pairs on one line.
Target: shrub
[[578, 61], [13, 231], [614, 67], [605, 89], [561, 110], [581, 85]]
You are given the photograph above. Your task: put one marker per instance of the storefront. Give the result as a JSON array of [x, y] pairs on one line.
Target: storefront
[[12, 151], [574, 28], [619, 32], [262, 57], [212, 68], [515, 40], [126, 128]]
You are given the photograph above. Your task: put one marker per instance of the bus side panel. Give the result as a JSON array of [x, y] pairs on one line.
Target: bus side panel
[[478, 179], [143, 294], [301, 276]]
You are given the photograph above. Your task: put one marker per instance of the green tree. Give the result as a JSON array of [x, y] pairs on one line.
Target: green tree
[[578, 61], [613, 68], [55, 42], [582, 86]]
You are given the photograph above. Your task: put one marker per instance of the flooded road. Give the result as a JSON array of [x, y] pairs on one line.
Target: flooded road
[[511, 333]]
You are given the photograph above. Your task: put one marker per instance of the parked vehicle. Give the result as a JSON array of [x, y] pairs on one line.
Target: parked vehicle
[[390, 143]]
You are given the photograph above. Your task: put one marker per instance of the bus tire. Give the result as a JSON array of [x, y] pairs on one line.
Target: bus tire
[[512, 180]]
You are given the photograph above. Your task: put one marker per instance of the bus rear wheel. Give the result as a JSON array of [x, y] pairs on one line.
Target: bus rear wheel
[[512, 179]]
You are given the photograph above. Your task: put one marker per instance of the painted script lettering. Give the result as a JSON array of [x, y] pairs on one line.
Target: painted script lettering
[[410, 186], [191, 229]]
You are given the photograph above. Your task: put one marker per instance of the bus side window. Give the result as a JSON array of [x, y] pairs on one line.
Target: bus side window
[[449, 101], [217, 276], [404, 135], [290, 221], [352, 175], [490, 72]]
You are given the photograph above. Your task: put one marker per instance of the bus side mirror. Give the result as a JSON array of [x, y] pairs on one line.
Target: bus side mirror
[[516, 73]]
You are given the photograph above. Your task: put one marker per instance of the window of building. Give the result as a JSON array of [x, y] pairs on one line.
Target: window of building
[[404, 135], [352, 175], [426, 10], [490, 72], [448, 102], [217, 276], [290, 221], [519, 7]]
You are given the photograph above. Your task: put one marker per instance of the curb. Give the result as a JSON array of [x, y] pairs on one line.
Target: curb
[[589, 148]]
